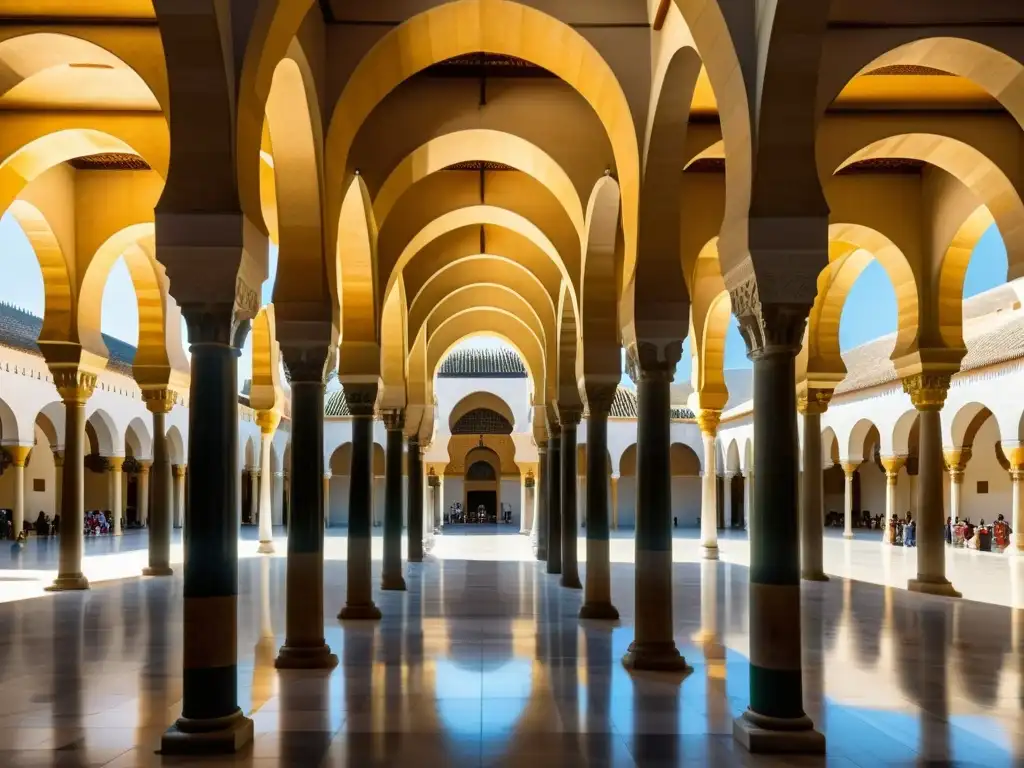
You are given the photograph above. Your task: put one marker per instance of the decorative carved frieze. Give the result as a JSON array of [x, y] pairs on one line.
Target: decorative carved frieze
[[813, 401], [159, 400], [74, 384], [768, 328], [708, 420], [394, 419], [599, 396], [361, 398]]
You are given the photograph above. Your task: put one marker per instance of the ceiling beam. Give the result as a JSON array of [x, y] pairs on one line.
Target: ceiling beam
[[660, 14]]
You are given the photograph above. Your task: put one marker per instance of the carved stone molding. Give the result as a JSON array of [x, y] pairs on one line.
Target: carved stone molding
[[849, 467], [646, 361], [599, 396], [394, 419], [813, 401], [956, 459], [361, 398], [568, 415], [708, 421], [892, 464], [268, 421], [768, 328], [115, 463], [306, 364], [927, 390]]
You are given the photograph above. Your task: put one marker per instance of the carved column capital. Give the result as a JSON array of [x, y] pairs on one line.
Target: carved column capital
[[219, 323], [361, 398], [599, 396], [115, 463], [768, 328], [306, 364], [708, 420], [394, 419], [74, 384], [178, 470], [58, 459], [850, 467], [1014, 452], [159, 400], [569, 416], [19, 454], [144, 465], [813, 401], [927, 390], [956, 459], [268, 421], [893, 465], [646, 361]]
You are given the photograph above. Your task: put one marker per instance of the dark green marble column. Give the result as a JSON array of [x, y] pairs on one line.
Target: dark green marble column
[[391, 573], [554, 484], [211, 720], [414, 502], [304, 645], [775, 720], [654, 646], [359, 603], [569, 420], [540, 524], [598, 596]]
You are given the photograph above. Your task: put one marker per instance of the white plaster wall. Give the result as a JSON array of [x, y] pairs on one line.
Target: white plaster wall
[[40, 467], [338, 502], [627, 502], [452, 493], [511, 493], [686, 497], [983, 466]]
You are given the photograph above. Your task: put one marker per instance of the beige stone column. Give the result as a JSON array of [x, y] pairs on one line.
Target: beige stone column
[[727, 499], [254, 493], [143, 491], [58, 480], [75, 388], [277, 500], [268, 421], [956, 463], [708, 420], [748, 499], [811, 404], [19, 455], [928, 394], [115, 464], [1014, 452], [178, 470], [160, 402], [892, 466], [615, 501], [849, 469], [526, 514]]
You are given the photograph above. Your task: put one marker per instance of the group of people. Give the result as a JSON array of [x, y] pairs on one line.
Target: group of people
[[901, 533], [982, 537]]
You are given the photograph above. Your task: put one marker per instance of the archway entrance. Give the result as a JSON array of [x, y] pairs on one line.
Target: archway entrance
[[481, 485]]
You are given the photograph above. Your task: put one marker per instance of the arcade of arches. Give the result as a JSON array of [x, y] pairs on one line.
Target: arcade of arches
[[592, 184]]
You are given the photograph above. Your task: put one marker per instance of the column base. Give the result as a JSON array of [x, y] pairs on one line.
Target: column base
[[68, 583], [570, 581], [847, 534], [216, 736], [265, 548], [655, 657], [294, 657], [770, 735], [942, 588], [156, 570], [393, 583], [599, 612], [709, 551], [368, 612], [814, 576]]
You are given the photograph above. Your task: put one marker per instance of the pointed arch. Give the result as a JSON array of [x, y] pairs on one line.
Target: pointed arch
[[599, 357], [59, 307], [567, 385], [137, 437], [394, 348], [356, 277], [266, 393]]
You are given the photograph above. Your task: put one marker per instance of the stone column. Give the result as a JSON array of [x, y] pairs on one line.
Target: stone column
[[812, 403], [727, 498], [325, 509], [19, 455], [956, 463], [554, 484], [708, 420], [58, 480], [211, 720], [615, 501], [654, 646], [116, 464], [598, 596], [75, 388], [850, 470], [268, 421], [1014, 452], [434, 483], [775, 720], [414, 500], [277, 500], [142, 491], [748, 500], [528, 515], [892, 466], [391, 577], [254, 494], [569, 420], [540, 520], [359, 603], [177, 472], [928, 394], [304, 646], [159, 402]]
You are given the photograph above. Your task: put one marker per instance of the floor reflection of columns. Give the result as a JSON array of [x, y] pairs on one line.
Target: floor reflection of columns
[[75, 388], [928, 394], [708, 422], [414, 500], [268, 421]]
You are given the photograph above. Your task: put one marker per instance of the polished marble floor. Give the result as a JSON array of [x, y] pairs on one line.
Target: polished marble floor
[[483, 662]]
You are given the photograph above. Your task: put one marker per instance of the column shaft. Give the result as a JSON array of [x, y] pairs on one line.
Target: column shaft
[[1017, 507], [555, 503], [116, 481], [747, 500], [540, 520], [570, 521], [956, 480], [72, 510], [615, 501], [142, 493], [850, 470], [414, 500], [211, 720], [160, 519], [812, 499], [598, 596], [325, 508], [304, 646], [19, 454], [931, 547], [359, 603], [654, 644], [267, 421], [709, 487], [391, 572]]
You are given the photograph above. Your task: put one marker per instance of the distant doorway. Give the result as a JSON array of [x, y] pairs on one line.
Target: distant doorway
[[482, 507]]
